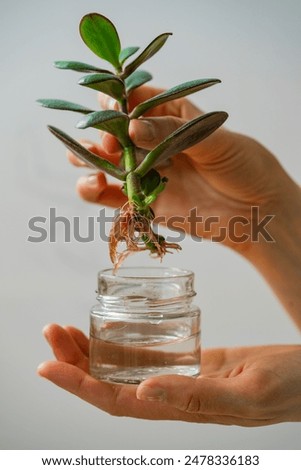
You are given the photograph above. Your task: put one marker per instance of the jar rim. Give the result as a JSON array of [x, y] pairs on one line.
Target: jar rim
[[148, 272]]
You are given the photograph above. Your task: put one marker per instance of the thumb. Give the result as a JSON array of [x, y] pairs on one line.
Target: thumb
[[194, 395], [147, 133]]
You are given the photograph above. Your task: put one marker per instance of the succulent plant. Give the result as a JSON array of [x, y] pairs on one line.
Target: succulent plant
[[142, 182]]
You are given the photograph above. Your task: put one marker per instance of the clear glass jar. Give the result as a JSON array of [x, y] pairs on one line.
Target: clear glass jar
[[144, 325]]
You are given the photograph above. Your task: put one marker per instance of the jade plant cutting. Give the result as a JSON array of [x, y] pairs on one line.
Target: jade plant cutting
[[141, 178]]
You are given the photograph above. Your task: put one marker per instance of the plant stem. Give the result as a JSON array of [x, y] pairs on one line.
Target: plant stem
[[129, 156], [133, 184], [134, 192]]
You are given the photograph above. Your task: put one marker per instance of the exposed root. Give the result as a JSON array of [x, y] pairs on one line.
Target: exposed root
[[133, 227]]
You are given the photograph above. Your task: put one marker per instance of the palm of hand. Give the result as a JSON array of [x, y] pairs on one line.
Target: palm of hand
[[244, 386]]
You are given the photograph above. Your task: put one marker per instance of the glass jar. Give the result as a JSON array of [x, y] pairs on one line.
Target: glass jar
[[144, 325]]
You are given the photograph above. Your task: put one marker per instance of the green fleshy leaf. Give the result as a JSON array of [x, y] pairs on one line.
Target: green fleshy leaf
[[136, 79], [172, 94], [114, 122], [91, 159], [150, 181], [126, 53], [78, 66], [146, 54], [186, 136], [64, 106], [108, 84], [100, 35]]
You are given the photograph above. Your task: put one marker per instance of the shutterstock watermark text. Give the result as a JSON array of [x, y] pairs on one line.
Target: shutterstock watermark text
[[238, 229]]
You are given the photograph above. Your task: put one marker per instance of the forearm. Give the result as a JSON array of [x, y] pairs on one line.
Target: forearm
[[280, 261]]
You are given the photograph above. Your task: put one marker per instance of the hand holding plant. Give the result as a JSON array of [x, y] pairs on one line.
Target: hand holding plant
[[142, 183], [223, 176]]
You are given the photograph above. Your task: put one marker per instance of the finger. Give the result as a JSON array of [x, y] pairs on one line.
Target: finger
[[147, 133], [137, 96], [115, 399], [206, 396], [107, 102], [180, 107], [142, 94], [80, 339], [121, 400], [111, 145], [94, 188], [97, 149], [74, 160], [64, 347]]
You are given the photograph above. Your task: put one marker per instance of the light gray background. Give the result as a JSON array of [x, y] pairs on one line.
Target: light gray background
[[254, 47]]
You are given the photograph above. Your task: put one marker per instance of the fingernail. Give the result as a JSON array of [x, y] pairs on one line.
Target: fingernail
[[91, 181], [45, 328], [151, 394], [45, 331], [111, 104], [87, 146], [40, 366]]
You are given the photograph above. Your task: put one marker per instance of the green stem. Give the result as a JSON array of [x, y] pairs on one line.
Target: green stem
[[133, 183], [129, 156], [134, 192]]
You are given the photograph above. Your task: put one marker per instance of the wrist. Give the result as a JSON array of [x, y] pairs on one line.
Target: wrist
[[283, 230], [279, 257]]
